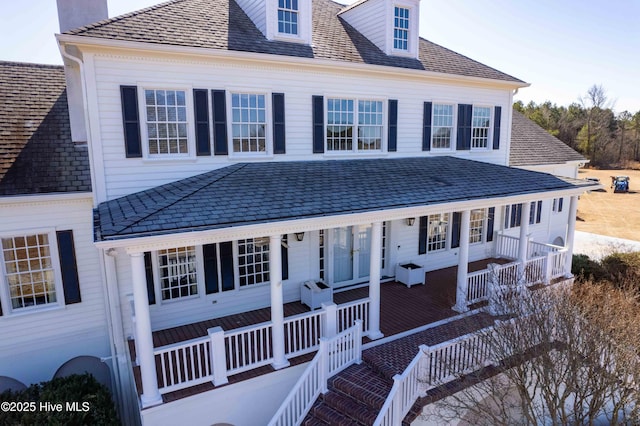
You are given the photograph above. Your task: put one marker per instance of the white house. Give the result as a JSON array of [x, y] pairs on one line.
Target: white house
[[219, 154]]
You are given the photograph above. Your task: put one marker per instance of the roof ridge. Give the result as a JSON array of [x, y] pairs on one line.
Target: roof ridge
[[188, 194], [98, 24]]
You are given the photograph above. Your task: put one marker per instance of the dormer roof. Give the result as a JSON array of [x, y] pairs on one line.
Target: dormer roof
[[223, 25]]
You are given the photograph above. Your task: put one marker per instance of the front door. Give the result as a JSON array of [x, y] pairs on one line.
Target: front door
[[350, 253]]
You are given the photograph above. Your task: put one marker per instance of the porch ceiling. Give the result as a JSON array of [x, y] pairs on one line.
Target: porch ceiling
[[255, 193]]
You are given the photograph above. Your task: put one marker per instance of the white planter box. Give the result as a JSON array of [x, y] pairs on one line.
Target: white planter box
[[409, 274], [315, 293]]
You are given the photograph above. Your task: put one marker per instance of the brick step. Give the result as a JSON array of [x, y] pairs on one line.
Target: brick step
[[380, 365], [363, 384], [312, 421], [350, 407], [321, 412]]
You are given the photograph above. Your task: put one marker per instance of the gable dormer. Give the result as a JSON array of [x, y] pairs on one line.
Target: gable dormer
[[282, 20], [392, 25]]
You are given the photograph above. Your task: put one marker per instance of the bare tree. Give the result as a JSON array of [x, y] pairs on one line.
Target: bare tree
[[568, 356]]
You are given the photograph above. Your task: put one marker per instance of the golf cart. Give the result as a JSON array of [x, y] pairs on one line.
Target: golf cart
[[620, 183]]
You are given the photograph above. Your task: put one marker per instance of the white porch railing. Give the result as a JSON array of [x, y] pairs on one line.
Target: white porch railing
[[541, 269], [536, 249], [507, 246], [225, 353], [335, 354]]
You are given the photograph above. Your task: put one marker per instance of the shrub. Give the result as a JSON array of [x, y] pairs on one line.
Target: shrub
[[622, 268], [584, 268], [94, 405]]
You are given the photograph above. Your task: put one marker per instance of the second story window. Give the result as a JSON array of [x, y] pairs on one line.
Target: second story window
[[288, 17], [346, 115], [166, 121], [249, 123], [442, 126], [401, 28], [480, 126]]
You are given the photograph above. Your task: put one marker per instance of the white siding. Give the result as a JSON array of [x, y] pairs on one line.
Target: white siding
[[370, 18], [34, 345], [256, 11], [123, 176]]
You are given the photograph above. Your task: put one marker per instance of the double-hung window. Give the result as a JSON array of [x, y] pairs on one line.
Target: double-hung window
[[30, 270], [288, 17], [476, 225], [480, 127], [535, 214], [354, 125], [249, 123], [401, 28], [253, 261], [557, 205], [167, 125], [437, 232], [442, 126], [512, 216], [177, 270]]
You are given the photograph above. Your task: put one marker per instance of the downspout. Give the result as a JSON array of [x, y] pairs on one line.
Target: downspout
[[85, 105]]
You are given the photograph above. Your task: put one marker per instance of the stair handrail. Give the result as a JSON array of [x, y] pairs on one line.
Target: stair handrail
[[406, 389], [313, 380]]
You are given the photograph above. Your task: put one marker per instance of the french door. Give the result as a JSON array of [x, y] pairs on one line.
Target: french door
[[349, 255]]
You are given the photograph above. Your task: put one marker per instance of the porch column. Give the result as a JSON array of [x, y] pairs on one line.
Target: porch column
[[144, 339], [463, 263], [277, 307], [571, 229], [375, 264], [523, 246]]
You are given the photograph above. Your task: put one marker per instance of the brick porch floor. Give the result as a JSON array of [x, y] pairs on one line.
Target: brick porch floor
[[402, 309]]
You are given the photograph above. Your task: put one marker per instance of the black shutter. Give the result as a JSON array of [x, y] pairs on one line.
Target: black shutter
[[219, 107], [318, 124], [285, 259], [490, 223], [131, 121], [560, 201], [518, 218], [201, 110], [496, 127], [69, 267], [422, 235], [455, 232], [426, 127], [148, 269], [209, 253], [278, 123], [226, 266], [465, 113], [539, 212], [392, 143]]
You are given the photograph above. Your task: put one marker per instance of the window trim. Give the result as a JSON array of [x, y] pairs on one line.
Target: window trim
[[507, 216], [296, 11], [448, 238], [483, 230], [236, 266], [268, 153], [454, 129], [384, 137], [5, 297], [534, 218], [144, 131], [397, 7], [200, 277], [489, 145]]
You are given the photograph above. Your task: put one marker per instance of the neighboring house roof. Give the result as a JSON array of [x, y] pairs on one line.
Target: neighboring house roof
[[251, 193], [36, 152], [222, 24], [531, 145]]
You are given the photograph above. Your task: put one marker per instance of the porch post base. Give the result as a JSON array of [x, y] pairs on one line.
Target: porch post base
[[375, 335], [460, 309], [569, 275], [280, 365], [150, 401]]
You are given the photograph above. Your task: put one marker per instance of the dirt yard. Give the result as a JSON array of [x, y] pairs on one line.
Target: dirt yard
[[606, 213]]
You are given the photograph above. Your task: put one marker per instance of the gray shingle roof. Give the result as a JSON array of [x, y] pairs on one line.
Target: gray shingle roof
[[36, 152], [250, 193], [532, 145], [222, 24]]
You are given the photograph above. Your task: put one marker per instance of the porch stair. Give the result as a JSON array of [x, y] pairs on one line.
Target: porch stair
[[357, 394]]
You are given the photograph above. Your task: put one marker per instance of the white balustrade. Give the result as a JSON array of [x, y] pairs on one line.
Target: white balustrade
[[507, 246], [348, 313], [478, 286], [248, 347], [302, 333], [183, 364]]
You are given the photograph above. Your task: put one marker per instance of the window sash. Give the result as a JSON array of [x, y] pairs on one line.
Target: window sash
[[480, 127], [178, 272], [166, 120], [437, 232], [253, 261], [512, 216], [401, 28], [477, 225], [288, 17], [31, 271], [442, 125], [344, 116], [249, 123]]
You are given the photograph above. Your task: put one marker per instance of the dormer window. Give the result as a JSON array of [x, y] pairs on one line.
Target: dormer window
[[401, 28], [288, 17]]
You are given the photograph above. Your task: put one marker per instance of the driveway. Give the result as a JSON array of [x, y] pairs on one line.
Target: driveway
[[598, 246]]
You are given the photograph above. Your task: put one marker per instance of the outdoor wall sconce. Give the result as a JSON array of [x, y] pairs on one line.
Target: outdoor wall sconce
[[299, 236], [411, 221]]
